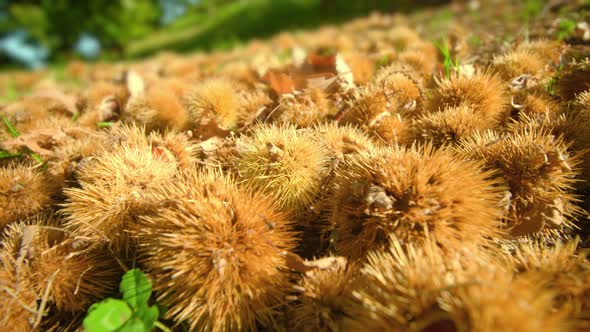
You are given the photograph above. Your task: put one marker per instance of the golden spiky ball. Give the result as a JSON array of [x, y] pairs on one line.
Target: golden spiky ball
[[421, 288], [448, 126], [174, 146], [518, 62], [537, 59], [343, 140], [401, 286], [583, 102], [302, 110], [414, 193], [286, 163], [420, 59], [571, 125], [50, 122], [573, 79], [402, 37], [546, 49], [539, 173], [494, 300], [402, 91], [75, 277], [562, 269], [376, 112], [534, 101], [24, 191], [215, 252], [483, 92], [325, 299], [130, 134], [157, 109], [214, 106], [252, 104], [18, 300], [23, 113], [68, 276], [114, 188], [340, 141], [95, 94], [69, 157]]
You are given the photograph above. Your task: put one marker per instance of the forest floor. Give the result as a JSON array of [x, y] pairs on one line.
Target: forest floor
[[422, 172]]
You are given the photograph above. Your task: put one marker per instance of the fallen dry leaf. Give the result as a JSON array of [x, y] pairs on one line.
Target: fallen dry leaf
[[135, 84], [279, 82], [296, 263], [68, 102], [41, 141]]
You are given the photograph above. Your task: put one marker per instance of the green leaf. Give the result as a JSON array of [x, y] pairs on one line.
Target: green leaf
[[106, 316], [136, 288], [134, 325], [162, 309], [148, 316]]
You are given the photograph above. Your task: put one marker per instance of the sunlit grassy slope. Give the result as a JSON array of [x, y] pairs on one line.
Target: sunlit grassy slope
[[242, 20]]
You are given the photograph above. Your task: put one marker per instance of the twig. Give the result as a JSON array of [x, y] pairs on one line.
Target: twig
[[44, 299]]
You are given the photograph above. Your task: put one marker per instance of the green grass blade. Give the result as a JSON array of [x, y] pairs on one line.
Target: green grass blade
[[104, 124], [13, 132]]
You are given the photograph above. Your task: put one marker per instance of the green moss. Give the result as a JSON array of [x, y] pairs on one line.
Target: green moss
[[565, 28]]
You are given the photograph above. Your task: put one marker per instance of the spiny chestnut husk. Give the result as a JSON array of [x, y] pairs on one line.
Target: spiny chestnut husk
[[362, 67], [572, 127], [483, 92], [519, 62], [534, 100], [214, 107], [174, 146], [561, 269], [63, 273], [75, 277], [421, 288], [573, 79], [67, 158], [376, 112], [252, 104], [18, 300], [449, 126], [402, 91], [421, 60], [286, 163], [325, 300], [156, 109], [302, 110], [415, 193], [539, 173], [95, 94], [494, 300], [216, 253], [340, 141], [24, 191], [343, 140], [399, 287], [114, 188], [582, 102]]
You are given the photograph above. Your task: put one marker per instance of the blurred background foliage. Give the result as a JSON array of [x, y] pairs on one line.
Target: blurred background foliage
[[36, 32]]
